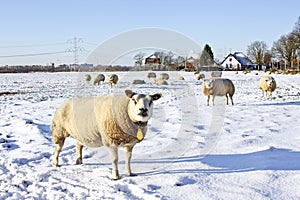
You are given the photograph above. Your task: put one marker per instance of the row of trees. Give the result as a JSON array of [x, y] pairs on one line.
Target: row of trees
[[286, 48], [169, 58]]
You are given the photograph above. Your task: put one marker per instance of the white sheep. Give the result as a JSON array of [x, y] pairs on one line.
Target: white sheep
[[87, 77], [138, 81], [98, 79], [151, 75], [164, 76], [112, 79], [267, 84], [113, 121], [218, 87], [160, 82], [200, 76], [216, 74]]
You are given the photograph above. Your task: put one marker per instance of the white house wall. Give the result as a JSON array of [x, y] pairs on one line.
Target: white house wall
[[234, 63]]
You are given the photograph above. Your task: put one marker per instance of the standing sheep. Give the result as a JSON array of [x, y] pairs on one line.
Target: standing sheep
[[87, 77], [98, 79], [164, 76], [112, 121], [267, 84], [112, 79], [218, 87]]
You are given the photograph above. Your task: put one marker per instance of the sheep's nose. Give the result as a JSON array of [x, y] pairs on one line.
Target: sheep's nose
[[143, 112], [143, 109]]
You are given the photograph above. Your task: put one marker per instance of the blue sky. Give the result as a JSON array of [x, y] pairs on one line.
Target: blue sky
[[32, 26]]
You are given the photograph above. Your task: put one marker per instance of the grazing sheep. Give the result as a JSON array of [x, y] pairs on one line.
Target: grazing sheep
[[216, 74], [151, 75], [112, 121], [164, 76], [200, 76], [98, 79], [180, 78], [218, 87], [112, 79], [138, 81], [267, 84], [87, 77], [160, 82]]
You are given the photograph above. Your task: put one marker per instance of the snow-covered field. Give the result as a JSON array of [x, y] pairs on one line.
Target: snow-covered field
[[191, 151]]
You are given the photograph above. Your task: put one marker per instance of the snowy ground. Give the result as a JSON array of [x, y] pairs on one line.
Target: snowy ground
[[247, 151]]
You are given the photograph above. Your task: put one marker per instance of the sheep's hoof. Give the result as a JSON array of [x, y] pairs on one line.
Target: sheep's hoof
[[54, 163], [115, 178], [79, 161]]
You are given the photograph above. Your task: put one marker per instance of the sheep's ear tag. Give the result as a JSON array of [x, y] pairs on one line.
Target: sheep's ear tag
[[140, 135]]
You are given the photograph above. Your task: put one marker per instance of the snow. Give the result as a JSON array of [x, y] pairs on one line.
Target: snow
[[191, 151]]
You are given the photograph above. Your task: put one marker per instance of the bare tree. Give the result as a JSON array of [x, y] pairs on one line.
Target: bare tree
[[256, 51], [139, 59], [296, 32], [169, 58], [267, 59], [161, 55], [286, 48]]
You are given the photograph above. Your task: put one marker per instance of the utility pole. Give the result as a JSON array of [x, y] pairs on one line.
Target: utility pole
[[75, 49]]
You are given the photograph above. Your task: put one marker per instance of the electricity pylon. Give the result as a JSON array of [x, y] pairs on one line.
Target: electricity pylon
[[75, 49]]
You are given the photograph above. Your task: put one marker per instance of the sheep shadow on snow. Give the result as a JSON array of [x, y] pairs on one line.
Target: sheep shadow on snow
[[269, 159]]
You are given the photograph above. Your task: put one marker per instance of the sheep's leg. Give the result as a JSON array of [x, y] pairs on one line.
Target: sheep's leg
[[58, 149], [79, 147], [208, 97], [113, 151], [213, 100], [231, 100], [128, 154], [227, 99]]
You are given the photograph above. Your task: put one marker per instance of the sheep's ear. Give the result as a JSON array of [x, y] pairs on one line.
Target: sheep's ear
[[129, 93], [156, 96]]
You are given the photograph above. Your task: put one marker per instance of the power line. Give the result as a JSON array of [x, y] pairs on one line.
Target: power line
[[32, 45], [32, 54]]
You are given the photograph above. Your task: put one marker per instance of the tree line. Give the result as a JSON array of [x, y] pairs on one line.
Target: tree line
[[286, 49]]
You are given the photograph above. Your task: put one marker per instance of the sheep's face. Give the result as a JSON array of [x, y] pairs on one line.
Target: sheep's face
[[209, 83], [270, 83], [111, 77], [140, 105]]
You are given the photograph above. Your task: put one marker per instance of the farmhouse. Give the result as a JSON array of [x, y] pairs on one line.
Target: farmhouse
[[152, 59], [237, 61]]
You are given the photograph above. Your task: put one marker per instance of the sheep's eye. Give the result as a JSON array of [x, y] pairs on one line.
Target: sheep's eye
[[134, 101]]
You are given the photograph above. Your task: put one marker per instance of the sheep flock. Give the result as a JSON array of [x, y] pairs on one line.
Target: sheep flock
[[120, 120]]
